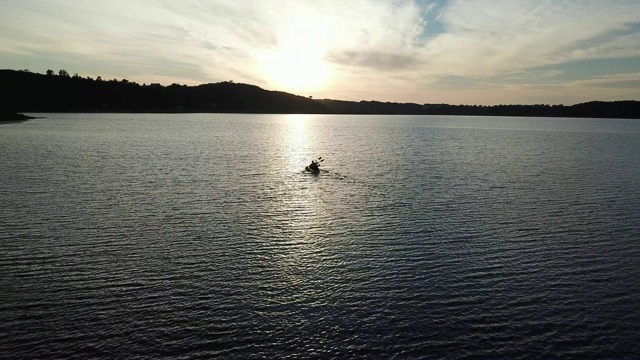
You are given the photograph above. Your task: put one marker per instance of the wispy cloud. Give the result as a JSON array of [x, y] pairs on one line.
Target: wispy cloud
[[388, 50], [503, 36]]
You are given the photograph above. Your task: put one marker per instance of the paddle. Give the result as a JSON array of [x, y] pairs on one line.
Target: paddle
[[315, 168]]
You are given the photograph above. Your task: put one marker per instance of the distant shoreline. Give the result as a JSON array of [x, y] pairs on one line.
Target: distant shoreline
[[185, 112], [22, 91], [25, 118], [14, 117]]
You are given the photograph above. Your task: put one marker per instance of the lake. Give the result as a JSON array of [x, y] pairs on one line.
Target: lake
[[201, 236]]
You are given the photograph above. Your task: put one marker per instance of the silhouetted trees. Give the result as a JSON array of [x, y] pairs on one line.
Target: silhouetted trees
[[615, 109], [23, 91], [30, 92]]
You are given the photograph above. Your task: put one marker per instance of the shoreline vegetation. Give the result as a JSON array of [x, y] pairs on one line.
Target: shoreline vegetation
[[6, 116], [24, 91]]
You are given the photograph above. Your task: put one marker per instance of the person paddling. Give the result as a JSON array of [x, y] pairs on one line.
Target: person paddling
[[314, 166]]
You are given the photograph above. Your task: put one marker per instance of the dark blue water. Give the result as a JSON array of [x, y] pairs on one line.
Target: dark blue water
[[201, 236]]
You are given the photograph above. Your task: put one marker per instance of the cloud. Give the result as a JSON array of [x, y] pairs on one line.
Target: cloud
[[389, 50], [242, 25], [505, 35], [617, 81], [376, 60]]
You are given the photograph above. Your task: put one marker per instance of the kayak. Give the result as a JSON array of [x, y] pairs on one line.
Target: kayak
[[311, 170]]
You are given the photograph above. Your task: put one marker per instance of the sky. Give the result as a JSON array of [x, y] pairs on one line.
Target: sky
[[483, 52]]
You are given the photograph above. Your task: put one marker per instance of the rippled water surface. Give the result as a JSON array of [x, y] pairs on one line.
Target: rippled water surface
[[201, 236]]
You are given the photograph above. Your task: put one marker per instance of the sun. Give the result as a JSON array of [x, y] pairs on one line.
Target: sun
[[297, 64]]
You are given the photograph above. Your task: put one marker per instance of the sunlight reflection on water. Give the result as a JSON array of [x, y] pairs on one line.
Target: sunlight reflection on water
[[201, 235]]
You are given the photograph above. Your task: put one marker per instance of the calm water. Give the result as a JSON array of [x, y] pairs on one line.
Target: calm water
[[200, 236]]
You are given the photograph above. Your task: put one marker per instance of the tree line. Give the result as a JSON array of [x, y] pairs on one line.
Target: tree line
[[594, 109], [24, 91]]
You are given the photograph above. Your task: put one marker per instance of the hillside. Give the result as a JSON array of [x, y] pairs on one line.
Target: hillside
[[23, 91]]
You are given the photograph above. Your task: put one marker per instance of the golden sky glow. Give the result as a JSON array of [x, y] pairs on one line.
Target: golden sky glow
[[297, 63], [440, 51]]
